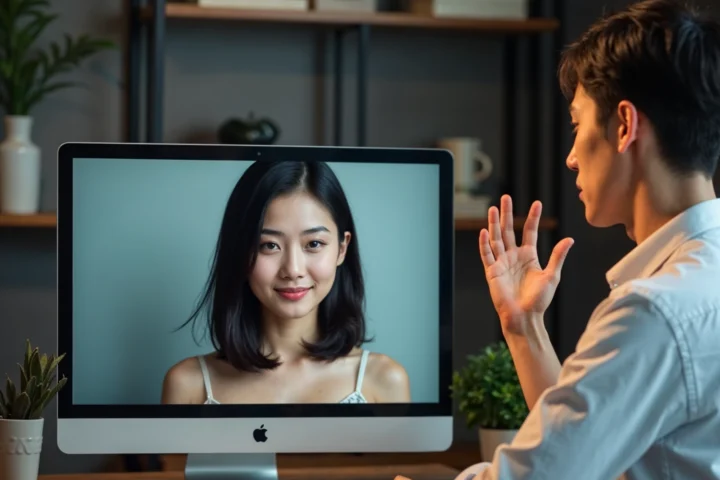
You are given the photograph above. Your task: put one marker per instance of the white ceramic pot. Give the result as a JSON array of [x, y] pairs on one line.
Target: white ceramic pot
[[490, 439], [20, 168], [20, 447]]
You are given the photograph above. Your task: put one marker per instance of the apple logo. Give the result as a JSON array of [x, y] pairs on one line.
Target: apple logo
[[259, 434]]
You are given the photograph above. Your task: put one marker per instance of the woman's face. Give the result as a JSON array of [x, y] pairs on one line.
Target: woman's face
[[297, 257]]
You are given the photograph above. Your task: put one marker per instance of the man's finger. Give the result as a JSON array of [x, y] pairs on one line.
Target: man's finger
[[496, 241], [558, 256], [506, 222], [532, 224], [486, 253]]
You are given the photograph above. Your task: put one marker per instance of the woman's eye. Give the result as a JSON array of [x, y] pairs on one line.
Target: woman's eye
[[269, 246], [315, 244]]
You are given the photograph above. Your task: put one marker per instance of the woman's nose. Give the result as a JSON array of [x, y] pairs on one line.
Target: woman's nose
[[294, 263]]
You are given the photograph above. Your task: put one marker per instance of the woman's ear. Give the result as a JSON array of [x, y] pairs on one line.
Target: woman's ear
[[343, 248]]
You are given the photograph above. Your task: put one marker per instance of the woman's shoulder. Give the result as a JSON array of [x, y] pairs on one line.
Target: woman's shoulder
[[387, 378], [183, 382]]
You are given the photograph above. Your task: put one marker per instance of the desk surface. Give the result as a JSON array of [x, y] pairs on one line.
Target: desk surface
[[364, 472]]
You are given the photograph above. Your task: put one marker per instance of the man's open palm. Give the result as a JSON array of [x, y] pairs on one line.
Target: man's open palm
[[519, 286]]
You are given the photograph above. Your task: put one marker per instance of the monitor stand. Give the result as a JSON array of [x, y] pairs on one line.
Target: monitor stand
[[231, 466]]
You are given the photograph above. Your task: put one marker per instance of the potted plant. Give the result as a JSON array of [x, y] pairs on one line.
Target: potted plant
[[489, 395], [21, 408], [27, 75]]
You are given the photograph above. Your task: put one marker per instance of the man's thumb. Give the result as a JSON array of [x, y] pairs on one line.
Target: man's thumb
[[558, 256]]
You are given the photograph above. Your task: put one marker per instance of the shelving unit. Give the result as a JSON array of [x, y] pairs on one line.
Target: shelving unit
[[146, 42], [150, 19]]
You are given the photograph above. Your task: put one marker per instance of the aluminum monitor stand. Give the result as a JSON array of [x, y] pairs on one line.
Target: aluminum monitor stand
[[230, 466]]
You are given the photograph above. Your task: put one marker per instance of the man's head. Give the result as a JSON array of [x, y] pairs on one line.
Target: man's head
[[644, 87]]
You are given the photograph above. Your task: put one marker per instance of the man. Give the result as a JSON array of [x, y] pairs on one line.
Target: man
[[640, 396]]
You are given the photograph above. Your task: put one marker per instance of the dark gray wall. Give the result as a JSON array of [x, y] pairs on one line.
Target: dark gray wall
[[423, 85]]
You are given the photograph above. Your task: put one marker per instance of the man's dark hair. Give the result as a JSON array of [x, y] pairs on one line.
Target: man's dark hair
[[234, 314], [664, 57]]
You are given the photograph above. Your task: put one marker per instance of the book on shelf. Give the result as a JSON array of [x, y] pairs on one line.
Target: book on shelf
[[257, 4], [345, 5], [490, 9]]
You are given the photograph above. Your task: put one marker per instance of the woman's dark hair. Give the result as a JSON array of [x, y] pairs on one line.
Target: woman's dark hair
[[234, 313], [664, 57]]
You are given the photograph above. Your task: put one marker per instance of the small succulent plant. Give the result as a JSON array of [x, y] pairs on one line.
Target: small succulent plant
[[37, 386], [489, 391]]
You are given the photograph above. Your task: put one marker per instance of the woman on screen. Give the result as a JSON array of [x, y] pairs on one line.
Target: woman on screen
[[285, 298]]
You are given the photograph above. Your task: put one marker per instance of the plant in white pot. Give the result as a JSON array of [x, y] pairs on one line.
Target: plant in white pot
[[21, 409], [27, 75], [489, 395]]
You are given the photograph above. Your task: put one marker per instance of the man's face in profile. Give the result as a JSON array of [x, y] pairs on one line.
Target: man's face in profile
[[603, 173]]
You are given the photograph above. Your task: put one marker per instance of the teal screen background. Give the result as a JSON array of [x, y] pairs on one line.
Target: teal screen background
[[144, 232]]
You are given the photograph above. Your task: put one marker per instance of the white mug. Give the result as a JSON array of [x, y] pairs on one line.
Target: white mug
[[468, 156]]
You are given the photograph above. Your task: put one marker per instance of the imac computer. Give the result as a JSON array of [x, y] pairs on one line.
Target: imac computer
[[235, 302]]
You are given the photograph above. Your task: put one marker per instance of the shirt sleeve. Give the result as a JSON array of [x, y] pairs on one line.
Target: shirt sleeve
[[621, 390]]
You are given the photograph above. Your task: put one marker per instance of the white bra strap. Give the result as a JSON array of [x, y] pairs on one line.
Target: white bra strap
[[361, 370], [206, 377]]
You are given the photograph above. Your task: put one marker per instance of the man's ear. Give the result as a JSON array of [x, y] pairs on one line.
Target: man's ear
[[627, 128], [343, 248]]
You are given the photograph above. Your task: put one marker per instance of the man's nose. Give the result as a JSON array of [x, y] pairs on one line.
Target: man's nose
[[571, 160]]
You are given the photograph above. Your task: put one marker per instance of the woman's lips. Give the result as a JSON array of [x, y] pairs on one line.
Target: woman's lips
[[294, 293]]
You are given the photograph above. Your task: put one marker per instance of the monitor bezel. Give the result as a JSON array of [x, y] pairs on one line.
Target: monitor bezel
[[446, 230]]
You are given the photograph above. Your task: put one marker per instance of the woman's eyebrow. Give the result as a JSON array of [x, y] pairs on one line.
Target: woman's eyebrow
[[268, 231]]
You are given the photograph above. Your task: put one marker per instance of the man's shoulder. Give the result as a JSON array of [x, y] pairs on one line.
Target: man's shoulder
[[678, 305], [685, 286]]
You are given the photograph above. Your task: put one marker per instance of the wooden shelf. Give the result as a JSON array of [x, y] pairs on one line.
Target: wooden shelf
[[41, 220], [49, 220], [476, 224], [379, 19]]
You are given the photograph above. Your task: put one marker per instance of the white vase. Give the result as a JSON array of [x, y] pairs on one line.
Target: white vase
[[20, 168], [490, 439], [20, 447]]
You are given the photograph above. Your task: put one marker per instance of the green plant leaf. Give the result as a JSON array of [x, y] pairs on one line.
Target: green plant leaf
[[3, 406], [35, 366], [41, 92], [23, 378], [28, 355], [10, 391], [49, 376], [21, 407], [32, 389], [49, 396]]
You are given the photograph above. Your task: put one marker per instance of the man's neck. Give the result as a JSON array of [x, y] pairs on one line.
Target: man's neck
[[655, 205]]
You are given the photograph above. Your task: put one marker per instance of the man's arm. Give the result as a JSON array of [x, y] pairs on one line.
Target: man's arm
[[621, 390], [535, 360]]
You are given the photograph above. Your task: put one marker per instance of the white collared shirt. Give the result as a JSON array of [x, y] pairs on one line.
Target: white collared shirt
[[640, 397]]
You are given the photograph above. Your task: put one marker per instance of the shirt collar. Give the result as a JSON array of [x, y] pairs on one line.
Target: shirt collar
[[648, 257]]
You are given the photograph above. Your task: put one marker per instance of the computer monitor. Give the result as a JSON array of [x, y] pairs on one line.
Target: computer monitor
[[235, 302]]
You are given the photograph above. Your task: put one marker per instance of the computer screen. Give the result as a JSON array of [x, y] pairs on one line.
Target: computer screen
[[254, 299]]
